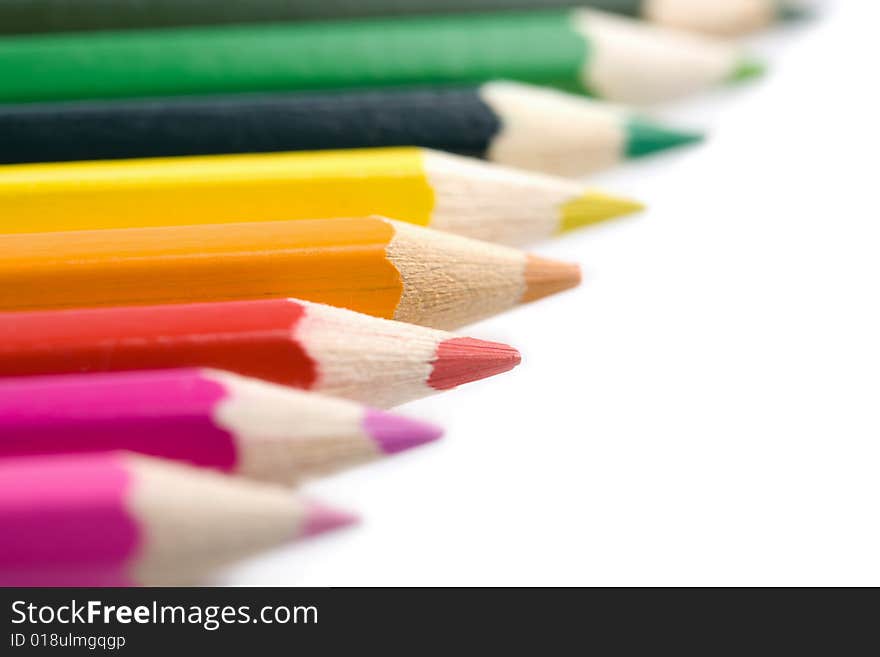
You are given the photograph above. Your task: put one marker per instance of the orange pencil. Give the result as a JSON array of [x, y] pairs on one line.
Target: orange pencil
[[372, 265]]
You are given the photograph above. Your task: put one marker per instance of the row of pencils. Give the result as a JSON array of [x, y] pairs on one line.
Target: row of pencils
[[235, 232]]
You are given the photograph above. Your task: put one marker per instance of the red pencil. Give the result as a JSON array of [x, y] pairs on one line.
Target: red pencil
[[296, 343]]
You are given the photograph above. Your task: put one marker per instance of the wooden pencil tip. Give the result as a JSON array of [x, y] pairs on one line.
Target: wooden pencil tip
[[545, 277], [463, 360]]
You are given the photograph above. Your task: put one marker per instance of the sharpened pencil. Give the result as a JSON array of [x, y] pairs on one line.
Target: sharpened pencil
[[429, 188], [609, 56], [716, 16], [119, 519], [373, 265], [305, 345], [507, 123], [207, 418], [719, 17]]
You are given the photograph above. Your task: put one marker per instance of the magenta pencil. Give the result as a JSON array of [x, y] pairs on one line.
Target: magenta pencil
[[207, 418], [118, 519]]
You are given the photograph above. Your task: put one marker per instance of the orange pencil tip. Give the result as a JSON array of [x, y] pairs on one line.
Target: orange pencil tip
[[545, 277]]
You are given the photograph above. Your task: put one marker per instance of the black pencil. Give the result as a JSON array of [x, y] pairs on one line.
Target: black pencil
[[505, 122]]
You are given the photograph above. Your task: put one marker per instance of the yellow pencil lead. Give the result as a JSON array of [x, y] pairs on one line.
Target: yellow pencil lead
[[595, 207]]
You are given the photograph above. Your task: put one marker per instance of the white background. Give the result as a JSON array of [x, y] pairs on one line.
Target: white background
[[704, 409]]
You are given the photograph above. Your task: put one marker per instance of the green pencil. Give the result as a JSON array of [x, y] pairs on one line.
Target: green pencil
[[20, 16], [612, 57]]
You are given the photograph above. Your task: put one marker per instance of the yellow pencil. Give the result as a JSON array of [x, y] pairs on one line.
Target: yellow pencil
[[424, 187]]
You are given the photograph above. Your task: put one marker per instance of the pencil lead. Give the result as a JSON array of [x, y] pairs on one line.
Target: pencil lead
[[318, 519], [595, 207], [545, 277], [646, 137], [394, 433], [746, 69], [793, 11], [463, 360]]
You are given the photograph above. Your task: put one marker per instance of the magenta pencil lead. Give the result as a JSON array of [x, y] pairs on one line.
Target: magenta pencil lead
[[395, 433], [320, 518]]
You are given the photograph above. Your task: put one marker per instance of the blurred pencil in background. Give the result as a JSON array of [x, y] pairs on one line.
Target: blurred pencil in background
[[717, 16], [505, 122], [429, 188], [295, 343], [206, 418], [372, 265], [611, 57], [117, 519]]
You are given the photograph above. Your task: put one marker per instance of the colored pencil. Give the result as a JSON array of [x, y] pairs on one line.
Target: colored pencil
[[372, 265], [314, 347], [609, 56], [446, 192], [119, 519], [505, 122], [717, 16], [206, 418]]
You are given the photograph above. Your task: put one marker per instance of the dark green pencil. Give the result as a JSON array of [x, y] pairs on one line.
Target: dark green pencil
[[20, 16]]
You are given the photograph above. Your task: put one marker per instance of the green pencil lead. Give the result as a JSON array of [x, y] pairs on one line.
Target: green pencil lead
[[789, 11], [747, 69], [645, 137]]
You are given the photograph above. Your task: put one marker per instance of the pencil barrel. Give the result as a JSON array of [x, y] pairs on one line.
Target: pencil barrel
[[539, 47], [454, 119], [24, 16]]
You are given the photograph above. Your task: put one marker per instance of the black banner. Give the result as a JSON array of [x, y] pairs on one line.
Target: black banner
[[412, 621]]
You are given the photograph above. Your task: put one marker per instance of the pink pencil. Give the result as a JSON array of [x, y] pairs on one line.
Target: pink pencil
[[118, 519], [204, 417]]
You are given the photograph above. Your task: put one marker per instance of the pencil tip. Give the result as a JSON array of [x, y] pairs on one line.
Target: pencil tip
[[545, 277], [595, 207], [463, 360], [394, 433], [319, 519], [645, 137], [792, 11], [746, 69]]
